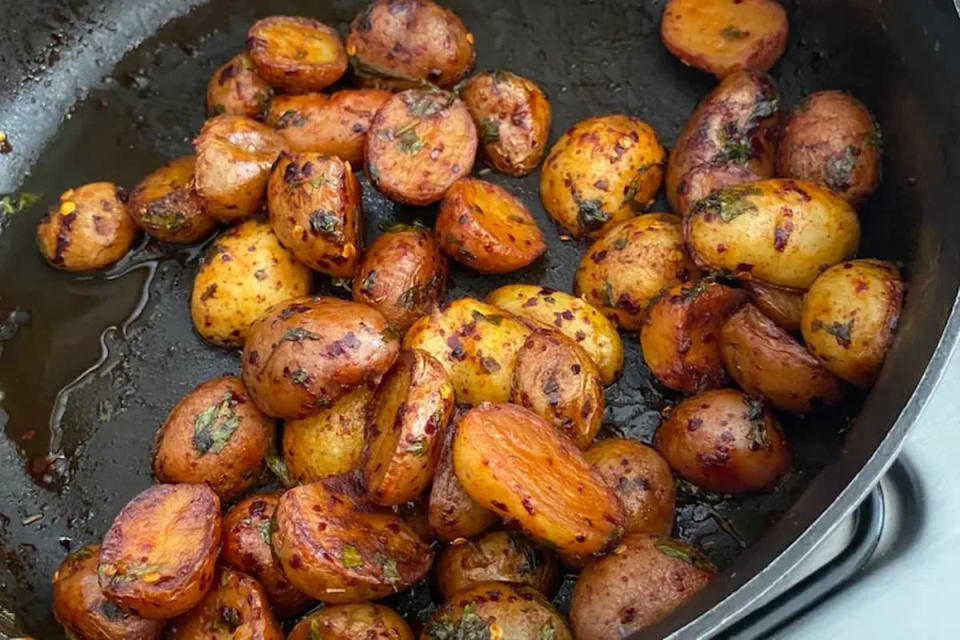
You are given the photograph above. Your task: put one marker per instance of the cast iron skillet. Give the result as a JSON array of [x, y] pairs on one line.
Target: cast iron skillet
[[89, 366]]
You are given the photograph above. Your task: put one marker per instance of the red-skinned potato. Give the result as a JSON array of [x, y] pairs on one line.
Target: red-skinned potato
[[366, 620], [236, 89], [780, 304], [296, 54], [165, 204]]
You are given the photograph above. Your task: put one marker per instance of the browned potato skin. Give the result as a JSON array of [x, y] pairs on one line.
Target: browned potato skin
[[79, 605], [831, 138], [403, 275], [452, 512], [765, 360], [166, 205], [410, 412], [556, 379], [234, 157], [780, 304], [237, 89], [162, 576], [237, 605], [367, 620], [724, 441], [296, 54], [246, 547], [90, 228], [416, 513], [420, 143], [729, 139], [398, 44], [636, 586], [512, 115], [230, 465], [334, 546], [850, 317], [679, 335], [483, 226], [625, 268], [303, 354], [316, 210], [334, 125]]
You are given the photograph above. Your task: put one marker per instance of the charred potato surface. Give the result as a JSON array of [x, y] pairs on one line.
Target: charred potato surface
[[236, 89], [780, 304], [165, 204], [296, 54], [367, 620]]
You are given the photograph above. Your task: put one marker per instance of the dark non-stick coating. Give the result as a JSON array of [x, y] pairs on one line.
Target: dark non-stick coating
[[90, 365]]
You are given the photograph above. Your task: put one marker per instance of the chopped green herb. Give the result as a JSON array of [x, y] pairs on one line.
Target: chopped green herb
[[839, 330], [758, 422], [363, 69], [606, 294], [290, 118], [590, 215], [634, 185], [425, 104], [547, 632], [213, 427], [299, 334], [315, 632], [342, 283], [418, 447], [838, 167], [730, 33], [409, 142], [29, 520], [263, 528], [160, 217], [263, 101], [319, 181], [388, 567], [12, 203], [300, 377], [489, 130], [682, 551], [469, 626], [277, 465], [736, 148], [350, 557], [412, 298], [369, 282], [620, 243], [325, 222], [728, 203], [493, 318]]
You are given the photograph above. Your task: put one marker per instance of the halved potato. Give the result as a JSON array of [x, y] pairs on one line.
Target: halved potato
[[366, 620], [452, 513], [166, 205], [296, 54], [780, 304], [237, 89]]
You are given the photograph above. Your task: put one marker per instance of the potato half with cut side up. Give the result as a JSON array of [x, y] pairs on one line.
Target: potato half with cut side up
[[165, 204], [162, 576], [296, 54], [451, 511], [237, 89], [366, 620], [780, 304]]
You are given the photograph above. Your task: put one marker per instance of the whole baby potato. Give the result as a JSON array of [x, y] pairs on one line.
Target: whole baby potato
[[235, 88], [296, 54], [365, 620], [166, 205]]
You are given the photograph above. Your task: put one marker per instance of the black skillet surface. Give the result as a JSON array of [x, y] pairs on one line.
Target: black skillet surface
[[90, 365]]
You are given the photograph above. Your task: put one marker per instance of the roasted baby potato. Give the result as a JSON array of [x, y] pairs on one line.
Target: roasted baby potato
[[420, 143], [399, 44], [600, 172], [214, 435], [90, 228], [484, 227], [416, 513], [724, 441], [497, 610], [79, 605], [623, 270], [512, 115], [236, 606], [366, 620], [765, 360], [410, 412], [237, 89], [452, 513], [402, 275], [316, 210], [296, 54], [729, 140], [334, 125], [783, 232], [162, 576], [303, 354], [166, 205], [476, 343], [850, 316], [246, 547], [780, 304], [723, 36], [644, 580], [234, 156], [556, 380], [514, 462], [679, 335], [335, 547], [242, 274], [831, 138]]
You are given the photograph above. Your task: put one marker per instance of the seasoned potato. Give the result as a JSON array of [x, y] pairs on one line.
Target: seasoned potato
[[296, 54], [79, 605], [336, 548], [334, 125], [416, 513], [679, 335], [162, 576], [780, 304], [246, 547], [513, 461], [399, 44], [783, 232], [850, 316], [236, 607], [303, 354], [724, 441], [452, 512], [723, 36], [420, 143], [214, 435], [366, 620], [244, 272], [512, 115], [623, 270], [237, 89], [831, 138], [728, 140], [316, 211], [600, 172], [166, 205], [571, 316], [484, 227], [648, 577], [765, 360], [410, 412], [402, 275], [476, 343], [90, 228], [556, 380]]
